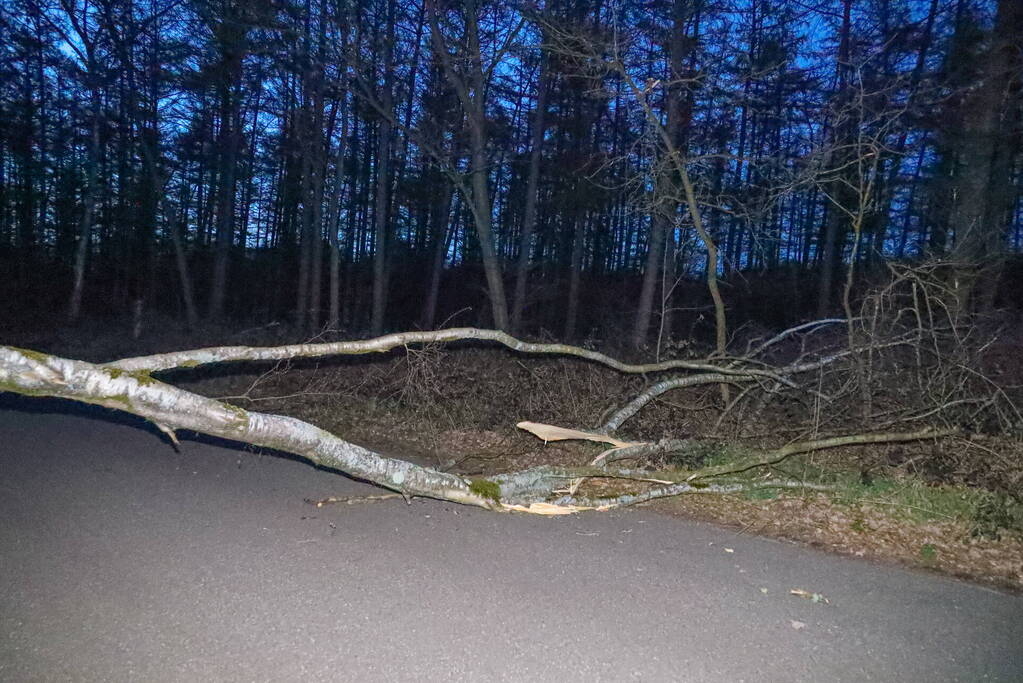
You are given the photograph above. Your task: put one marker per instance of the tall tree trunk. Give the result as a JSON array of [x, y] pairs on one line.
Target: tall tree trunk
[[666, 185], [443, 229], [482, 213], [835, 228], [334, 276], [304, 228], [575, 275], [88, 206], [651, 278], [385, 131], [181, 260], [224, 235], [984, 192], [225, 226], [537, 132], [333, 220], [380, 226], [472, 93], [316, 245], [668, 276]]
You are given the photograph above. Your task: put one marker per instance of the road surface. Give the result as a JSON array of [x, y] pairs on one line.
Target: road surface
[[123, 560]]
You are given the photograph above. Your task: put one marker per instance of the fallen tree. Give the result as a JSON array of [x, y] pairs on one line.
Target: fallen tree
[[129, 385]]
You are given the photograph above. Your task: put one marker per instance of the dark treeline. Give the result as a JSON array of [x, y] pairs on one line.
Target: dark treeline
[[572, 165]]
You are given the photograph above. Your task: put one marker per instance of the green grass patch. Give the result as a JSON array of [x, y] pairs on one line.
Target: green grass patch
[[761, 494], [907, 498], [987, 513], [928, 553]]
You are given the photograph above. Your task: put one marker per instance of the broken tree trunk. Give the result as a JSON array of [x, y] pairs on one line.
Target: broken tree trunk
[[128, 385], [172, 409]]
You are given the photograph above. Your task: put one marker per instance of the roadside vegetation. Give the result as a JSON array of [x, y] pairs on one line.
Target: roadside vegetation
[[946, 497]]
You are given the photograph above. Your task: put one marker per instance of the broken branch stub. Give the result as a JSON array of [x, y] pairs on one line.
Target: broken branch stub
[[554, 433]]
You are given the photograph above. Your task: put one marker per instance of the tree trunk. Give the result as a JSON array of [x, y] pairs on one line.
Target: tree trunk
[[88, 205], [173, 409], [835, 228], [668, 276], [539, 128], [443, 229], [380, 226], [225, 214], [651, 278], [382, 203], [181, 260], [333, 220], [304, 236], [472, 94], [575, 274], [316, 247], [984, 192]]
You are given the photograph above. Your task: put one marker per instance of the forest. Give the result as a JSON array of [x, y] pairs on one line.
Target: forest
[[561, 256], [622, 169]]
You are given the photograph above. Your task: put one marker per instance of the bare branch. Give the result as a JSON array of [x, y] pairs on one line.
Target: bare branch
[[225, 354]]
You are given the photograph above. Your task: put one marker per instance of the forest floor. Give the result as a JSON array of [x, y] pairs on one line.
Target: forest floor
[[456, 408]]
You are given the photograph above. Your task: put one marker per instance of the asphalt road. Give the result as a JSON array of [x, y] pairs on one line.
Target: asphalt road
[[122, 560]]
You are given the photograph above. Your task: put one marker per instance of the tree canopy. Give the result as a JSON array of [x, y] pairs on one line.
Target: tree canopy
[[383, 165]]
